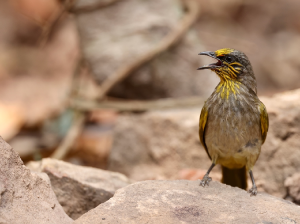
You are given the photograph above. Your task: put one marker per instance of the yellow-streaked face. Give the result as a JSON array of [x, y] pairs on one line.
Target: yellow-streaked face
[[234, 69], [227, 66]]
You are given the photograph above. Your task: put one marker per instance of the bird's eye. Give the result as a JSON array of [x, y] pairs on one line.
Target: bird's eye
[[229, 59]]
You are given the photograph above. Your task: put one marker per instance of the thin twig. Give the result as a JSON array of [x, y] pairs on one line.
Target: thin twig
[[65, 146], [137, 105], [76, 79], [47, 29], [55, 18], [70, 138], [92, 7], [192, 14]]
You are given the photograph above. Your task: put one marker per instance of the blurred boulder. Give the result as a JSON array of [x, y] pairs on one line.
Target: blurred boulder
[[92, 147], [112, 38], [25, 145], [157, 145], [11, 120], [162, 144], [267, 31], [37, 82], [26, 197], [171, 74], [280, 155], [168, 202], [39, 12], [77, 188], [292, 184]]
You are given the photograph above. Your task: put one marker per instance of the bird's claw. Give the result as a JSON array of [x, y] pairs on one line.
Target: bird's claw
[[205, 181], [253, 191]]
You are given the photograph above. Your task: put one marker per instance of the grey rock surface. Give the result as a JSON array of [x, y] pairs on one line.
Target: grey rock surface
[[25, 197], [77, 188], [157, 145], [181, 201]]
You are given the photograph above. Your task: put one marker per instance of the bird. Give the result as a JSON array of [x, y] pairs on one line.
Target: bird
[[233, 122]]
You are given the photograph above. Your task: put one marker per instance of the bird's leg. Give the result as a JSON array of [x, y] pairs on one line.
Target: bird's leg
[[253, 190], [206, 179]]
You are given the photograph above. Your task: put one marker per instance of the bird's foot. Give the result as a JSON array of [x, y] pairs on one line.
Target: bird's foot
[[253, 191], [205, 181]]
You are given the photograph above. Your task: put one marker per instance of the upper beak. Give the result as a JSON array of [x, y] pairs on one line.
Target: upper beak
[[210, 66], [208, 53]]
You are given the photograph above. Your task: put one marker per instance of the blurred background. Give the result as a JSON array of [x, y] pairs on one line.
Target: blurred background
[[113, 83]]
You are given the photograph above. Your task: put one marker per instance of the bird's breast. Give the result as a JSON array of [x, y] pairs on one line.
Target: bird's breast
[[233, 128]]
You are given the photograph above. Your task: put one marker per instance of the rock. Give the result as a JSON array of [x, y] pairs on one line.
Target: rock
[[184, 201], [171, 74], [293, 187], [123, 31], [163, 143], [280, 156], [79, 189], [26, 197], [38, 79], [11, 120], [274, 72]]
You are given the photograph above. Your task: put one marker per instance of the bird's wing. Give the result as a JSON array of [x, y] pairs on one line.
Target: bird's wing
[[264, 121], [202, 124]]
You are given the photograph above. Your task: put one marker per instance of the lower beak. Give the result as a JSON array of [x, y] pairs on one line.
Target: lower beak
[[212, 55], [204, 67]]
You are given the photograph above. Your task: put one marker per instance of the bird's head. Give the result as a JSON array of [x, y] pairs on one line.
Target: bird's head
[[231, 65]]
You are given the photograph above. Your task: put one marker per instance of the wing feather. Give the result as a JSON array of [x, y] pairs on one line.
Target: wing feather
[[264, 121], [202, 125]]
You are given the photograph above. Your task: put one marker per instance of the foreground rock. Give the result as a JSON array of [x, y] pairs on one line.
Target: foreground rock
[[186, 202], [25, 197], [79, 189], [166, 142]]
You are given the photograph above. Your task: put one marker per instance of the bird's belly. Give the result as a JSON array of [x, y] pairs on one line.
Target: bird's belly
[[233, 141], [230, 154], [235, 161]]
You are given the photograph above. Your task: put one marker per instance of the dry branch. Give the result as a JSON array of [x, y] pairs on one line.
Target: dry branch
[[53, 21], [96, 6], [136, 105], [191, 16], [70, 138]]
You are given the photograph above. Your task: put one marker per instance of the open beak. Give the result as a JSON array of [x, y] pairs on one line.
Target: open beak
[[211, 54]]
